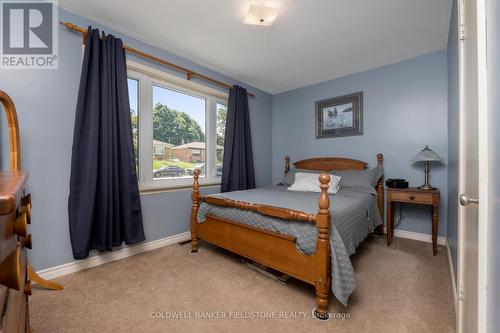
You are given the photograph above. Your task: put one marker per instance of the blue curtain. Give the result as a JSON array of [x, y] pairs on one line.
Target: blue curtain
[[104, 204], [238, 171]]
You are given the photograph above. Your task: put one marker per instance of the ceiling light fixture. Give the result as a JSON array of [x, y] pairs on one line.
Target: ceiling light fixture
[[261, 15]]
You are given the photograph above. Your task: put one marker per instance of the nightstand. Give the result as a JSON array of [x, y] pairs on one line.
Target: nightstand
[[415, 196]]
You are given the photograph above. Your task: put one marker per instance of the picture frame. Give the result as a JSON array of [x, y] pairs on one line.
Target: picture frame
[[340, 116]]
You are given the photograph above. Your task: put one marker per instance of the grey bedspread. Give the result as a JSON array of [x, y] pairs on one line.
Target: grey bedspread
[[354, 215]]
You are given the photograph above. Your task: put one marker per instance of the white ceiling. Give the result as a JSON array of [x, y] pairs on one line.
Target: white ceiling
[[311, 40]]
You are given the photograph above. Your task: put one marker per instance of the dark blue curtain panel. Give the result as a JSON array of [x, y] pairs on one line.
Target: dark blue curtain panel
[[238, 170], [104, 204]]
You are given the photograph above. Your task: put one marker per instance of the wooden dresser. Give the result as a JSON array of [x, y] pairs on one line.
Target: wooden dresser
[[15, 285], [16, 274], [15, 215]]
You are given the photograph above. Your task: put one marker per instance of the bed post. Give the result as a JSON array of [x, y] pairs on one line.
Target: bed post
[[195, 203], [322, 256], [380, 196], [287, 164]]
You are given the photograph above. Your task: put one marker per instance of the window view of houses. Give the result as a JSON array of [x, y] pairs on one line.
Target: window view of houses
[[179, 133], [182, 160]]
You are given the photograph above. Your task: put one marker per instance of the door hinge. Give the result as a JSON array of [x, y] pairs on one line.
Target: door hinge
[[461, 293], [462, 31]]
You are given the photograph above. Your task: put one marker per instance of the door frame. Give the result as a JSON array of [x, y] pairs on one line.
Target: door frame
[[483, 219], [483, 165]]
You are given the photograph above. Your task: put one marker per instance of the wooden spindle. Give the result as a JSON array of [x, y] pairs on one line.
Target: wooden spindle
[[195, 204], [322, 256]]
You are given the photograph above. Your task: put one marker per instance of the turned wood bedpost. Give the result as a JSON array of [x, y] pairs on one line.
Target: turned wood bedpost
[[322, 256], [287, 164], [380, 195], [195, 204]]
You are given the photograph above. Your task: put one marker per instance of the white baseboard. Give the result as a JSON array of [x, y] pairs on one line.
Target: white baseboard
[[453, 279], [418, 236], [75, 266]]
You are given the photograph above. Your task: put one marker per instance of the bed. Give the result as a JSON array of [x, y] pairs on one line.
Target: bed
[[292, 231]]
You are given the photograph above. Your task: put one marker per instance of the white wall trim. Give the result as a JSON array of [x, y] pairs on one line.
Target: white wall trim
[[418, 236], [75, 266], [453, 279]]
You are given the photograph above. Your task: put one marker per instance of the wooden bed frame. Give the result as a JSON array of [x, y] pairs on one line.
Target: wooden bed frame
[[273, 249]]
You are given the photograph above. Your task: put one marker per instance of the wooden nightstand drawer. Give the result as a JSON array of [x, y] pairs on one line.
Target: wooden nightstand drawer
[[411, 197]]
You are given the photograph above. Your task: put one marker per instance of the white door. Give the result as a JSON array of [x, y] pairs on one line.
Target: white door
[[472, 78]]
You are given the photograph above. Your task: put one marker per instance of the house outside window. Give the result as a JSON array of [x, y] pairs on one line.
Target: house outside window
[[161, 150]]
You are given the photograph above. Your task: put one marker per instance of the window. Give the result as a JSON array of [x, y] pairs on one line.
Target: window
[[221, 131], [133, 92], [158, 150], [179, 128], [179, 118]]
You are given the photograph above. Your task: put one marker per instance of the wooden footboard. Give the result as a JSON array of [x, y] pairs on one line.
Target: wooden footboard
[[269, 248], [273, 249]]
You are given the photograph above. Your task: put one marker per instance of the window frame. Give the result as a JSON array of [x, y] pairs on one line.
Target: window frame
[[147, 77]]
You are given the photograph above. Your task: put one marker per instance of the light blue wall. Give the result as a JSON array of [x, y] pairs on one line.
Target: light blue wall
[[46, 101], [453, 110], [405, 108], [493, 259]]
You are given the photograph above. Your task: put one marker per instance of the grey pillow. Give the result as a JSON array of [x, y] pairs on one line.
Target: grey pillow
[[289, 178], [361, 179]]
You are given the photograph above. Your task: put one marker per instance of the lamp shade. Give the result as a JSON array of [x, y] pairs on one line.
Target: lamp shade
[[427, 154]]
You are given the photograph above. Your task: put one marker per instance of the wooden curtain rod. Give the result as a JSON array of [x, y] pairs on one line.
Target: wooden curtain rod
[[190, 74]]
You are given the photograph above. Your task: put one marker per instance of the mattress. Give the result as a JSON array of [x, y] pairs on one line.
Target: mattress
[[354, 215]]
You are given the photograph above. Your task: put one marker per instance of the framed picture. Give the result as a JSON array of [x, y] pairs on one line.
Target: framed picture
[[339, 116]]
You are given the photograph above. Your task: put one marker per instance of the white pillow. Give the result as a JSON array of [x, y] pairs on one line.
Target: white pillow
[[309, 182]]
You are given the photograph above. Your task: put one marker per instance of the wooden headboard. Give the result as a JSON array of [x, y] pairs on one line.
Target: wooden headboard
[[329, 164]]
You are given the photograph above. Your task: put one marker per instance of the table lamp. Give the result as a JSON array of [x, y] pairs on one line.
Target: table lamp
[[427, 155]]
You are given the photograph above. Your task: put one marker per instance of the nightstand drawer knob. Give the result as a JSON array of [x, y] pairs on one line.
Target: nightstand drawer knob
[[412, 196]]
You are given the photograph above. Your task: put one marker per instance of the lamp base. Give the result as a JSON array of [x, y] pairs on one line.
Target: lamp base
[[426, 187]]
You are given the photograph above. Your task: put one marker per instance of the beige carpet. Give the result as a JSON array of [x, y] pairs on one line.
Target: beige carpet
[[400, 289]]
